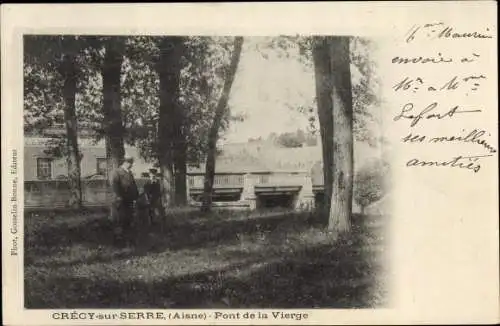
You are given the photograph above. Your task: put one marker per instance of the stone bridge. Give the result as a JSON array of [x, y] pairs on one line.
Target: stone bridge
[[259, 189]]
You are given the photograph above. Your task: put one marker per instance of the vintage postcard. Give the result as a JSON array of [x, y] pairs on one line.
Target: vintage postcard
[[250, 163]]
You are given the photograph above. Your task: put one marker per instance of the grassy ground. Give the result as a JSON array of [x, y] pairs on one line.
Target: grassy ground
[[230, 259]]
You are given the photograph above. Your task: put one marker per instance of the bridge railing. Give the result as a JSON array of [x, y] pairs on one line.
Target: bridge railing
[[226, 180], [280, 179]]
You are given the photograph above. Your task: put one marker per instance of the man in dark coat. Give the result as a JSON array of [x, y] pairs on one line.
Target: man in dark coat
[[124, 195], [143, 205], [153, 191]]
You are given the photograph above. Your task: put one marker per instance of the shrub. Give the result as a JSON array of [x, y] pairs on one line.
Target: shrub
[[369, 183]]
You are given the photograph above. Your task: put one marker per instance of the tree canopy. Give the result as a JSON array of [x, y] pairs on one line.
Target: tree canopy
[[201, 83]]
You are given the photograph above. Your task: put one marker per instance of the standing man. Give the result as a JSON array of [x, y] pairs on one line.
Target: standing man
[[143, 203], [153, 190], [124, 194]]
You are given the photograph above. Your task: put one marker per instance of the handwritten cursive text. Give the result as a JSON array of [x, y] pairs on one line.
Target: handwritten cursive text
[[441, 30], [427, 113], [462, 162], [474, 137]]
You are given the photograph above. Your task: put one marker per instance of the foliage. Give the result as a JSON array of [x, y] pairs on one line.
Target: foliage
[[43, 101], [370, 181], [201, 83], [296, 139], [140, 95], [289, 139], [365, 91], [365, 84], [43, 85], [201, 86]]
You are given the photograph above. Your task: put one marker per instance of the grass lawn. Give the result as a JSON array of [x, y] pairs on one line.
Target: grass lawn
[[226, 260]]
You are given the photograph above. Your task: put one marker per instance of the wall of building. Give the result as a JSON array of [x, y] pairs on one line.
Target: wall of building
[[35, 148]]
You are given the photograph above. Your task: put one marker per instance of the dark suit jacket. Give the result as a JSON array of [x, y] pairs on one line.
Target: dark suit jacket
[[152, 189], [124, 186]]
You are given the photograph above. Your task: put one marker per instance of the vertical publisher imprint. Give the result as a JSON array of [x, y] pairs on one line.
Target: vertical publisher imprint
[[14, 249]]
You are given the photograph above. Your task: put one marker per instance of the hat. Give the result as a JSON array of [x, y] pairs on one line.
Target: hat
[[144, 174], [153, 171]]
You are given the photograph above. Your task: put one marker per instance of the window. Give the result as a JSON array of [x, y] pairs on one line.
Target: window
[[44, 168], [101, 166]]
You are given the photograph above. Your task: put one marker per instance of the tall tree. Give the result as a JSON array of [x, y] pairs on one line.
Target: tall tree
[[179, 145], [360, 94], [169, 68], [68, 70], [45, 55], [335, 108], [113, 123], [180, 161], [220, 112], [324, 86]]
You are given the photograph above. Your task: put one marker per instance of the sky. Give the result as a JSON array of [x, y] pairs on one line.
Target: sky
[[263, 89]]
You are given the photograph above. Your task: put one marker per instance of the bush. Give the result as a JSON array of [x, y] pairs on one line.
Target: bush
[[369, 183]]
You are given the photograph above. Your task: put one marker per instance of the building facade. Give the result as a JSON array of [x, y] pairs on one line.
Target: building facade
[[40, 165]]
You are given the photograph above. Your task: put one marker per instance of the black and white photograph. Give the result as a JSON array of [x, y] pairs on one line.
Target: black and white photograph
[[203, 172], [250, 163]]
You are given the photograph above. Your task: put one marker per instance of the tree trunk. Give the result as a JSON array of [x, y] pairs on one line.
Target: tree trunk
[[69, 73], [340, 92], [180, 165], [113, 124], [220, 110], [169, 69], [321, 57]]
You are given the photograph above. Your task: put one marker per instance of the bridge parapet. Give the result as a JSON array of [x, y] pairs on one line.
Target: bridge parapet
[[280, 178], [221, 180]]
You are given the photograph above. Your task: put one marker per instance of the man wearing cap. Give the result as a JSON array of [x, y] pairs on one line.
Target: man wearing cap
[[143, 203], [124, 194], [153, 191]]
